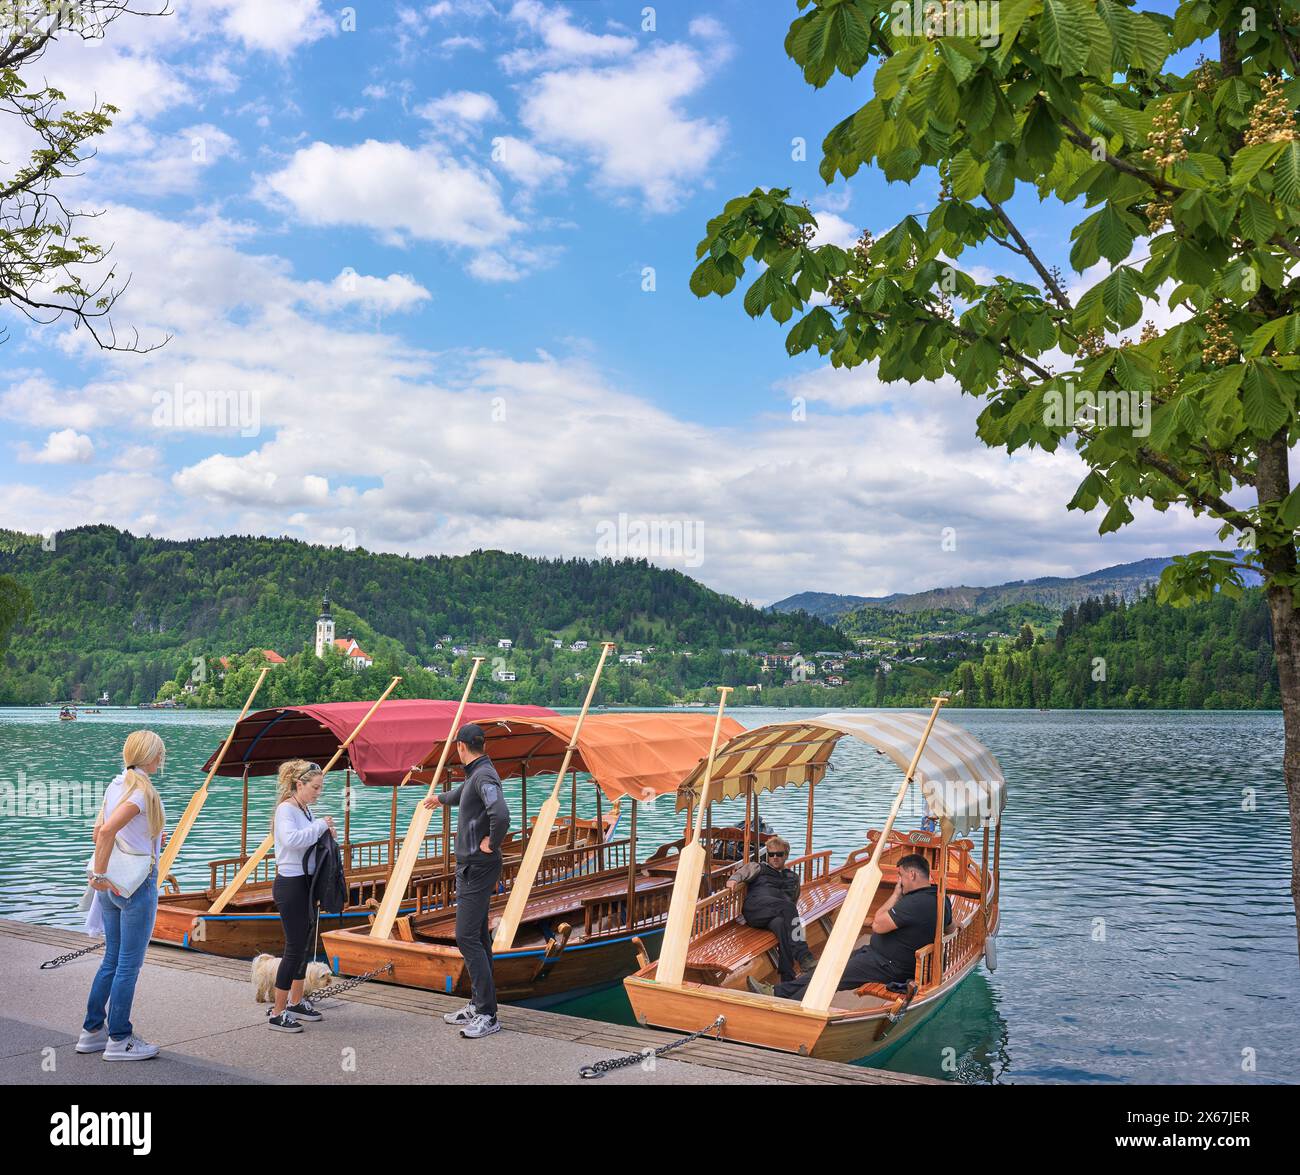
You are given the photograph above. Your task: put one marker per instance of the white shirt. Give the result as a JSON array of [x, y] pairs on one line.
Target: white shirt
[[135, 834], [295, 833]]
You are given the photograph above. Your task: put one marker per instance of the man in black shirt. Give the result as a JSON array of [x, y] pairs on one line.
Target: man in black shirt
[[481, 827], [771, 901], [900, 928]]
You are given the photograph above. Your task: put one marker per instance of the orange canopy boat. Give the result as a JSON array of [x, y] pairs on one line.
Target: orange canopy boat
[[589, 903]]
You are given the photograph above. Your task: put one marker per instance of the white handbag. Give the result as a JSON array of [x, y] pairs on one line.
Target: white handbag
[[126, 871]]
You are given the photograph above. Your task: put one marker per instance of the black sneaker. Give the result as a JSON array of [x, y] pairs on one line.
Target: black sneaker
[[304, 1009], [284, 1022]]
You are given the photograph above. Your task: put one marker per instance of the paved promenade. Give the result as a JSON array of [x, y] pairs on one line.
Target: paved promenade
[[201, 1010]]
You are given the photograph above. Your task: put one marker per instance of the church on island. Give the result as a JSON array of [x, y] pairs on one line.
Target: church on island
[[357, 657]]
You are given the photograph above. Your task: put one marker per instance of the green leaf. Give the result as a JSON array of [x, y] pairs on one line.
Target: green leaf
[[1062, 37], [1118, 515], [1247, 162], [1255, 219], [1286, 174], [1119, 296], [1290, 510], [1114, 235], [967, 174], [1263, 402]]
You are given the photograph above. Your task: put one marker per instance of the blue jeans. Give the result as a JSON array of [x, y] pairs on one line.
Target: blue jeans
[[128, 923]]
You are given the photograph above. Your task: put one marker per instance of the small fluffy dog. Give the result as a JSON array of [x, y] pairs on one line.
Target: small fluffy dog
[[265, 967]]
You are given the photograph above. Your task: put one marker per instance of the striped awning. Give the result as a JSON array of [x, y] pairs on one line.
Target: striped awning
[[958, 775]]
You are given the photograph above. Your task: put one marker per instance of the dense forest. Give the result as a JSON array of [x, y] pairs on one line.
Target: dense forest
[[116, 613], [146, 619]]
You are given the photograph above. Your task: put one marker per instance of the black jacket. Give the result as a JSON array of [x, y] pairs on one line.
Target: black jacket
[[483, 810], [323, 863]]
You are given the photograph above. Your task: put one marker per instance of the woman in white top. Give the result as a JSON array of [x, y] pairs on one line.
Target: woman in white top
[[296, 830], [133, 817]]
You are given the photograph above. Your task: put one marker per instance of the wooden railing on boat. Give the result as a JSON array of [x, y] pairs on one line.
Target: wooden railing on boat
[[557, 865], [961, 945], [361, 855], [725, 906]]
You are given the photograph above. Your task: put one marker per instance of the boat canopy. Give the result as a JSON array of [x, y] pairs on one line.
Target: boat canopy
[[395, 739], [626, 754], [961, 780]]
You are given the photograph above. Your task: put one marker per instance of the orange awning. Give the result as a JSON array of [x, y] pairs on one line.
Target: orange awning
[[632, 754]]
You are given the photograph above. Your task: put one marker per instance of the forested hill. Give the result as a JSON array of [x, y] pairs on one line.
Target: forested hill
[[113, 611]]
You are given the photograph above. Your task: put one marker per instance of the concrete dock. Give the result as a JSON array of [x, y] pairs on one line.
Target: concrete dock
[[201, 1010]]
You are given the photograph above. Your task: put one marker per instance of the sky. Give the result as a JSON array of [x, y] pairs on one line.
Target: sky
[[421, 272]]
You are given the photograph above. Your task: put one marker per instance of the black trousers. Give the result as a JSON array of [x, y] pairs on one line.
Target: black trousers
[[292, 899], [476, 883], [781, 917], [863, 967]]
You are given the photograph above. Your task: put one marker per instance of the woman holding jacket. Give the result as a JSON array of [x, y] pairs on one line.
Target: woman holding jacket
[[296, 831]]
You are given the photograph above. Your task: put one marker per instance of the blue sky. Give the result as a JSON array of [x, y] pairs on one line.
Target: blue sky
[[411, 245]]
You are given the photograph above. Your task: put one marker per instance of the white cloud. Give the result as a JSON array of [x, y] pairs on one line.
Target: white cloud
[[627, 120], [397, 191], [279, 27], [395, 292], [173, 163], [563, 42], [460, 106], [66, 447], [524, 163]]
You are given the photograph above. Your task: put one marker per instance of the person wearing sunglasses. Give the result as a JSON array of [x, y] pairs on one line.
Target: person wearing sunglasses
[[771, 901], [296, 831]]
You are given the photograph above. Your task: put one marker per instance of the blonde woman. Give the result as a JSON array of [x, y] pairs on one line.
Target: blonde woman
[[132, 815], [296, 830]]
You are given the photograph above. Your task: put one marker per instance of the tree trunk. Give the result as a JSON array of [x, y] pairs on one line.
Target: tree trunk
[[1274, 483]]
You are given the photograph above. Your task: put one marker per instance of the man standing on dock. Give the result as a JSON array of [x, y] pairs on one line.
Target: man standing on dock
[[482, 825]]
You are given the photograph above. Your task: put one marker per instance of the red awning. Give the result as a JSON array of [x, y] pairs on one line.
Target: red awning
[[396, 738], [633, 754]]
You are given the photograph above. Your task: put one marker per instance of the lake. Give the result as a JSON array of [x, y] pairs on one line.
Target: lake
[[1147, 927]]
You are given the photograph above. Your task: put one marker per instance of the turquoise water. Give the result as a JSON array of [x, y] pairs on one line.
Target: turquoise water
[[1147, 928]]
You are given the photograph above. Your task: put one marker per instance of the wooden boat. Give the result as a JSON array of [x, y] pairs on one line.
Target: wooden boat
[[582, 918], [66, 715], [380, 757], [964, 790]]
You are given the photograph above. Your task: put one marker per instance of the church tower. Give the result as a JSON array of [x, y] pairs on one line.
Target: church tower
[[324, 628]]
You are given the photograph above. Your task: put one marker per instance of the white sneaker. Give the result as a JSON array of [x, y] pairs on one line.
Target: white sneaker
[[92, 1042], [130, 1049], [463, 1016], [481, 1026]]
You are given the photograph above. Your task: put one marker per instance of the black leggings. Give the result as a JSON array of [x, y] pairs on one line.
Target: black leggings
[[291, 896]]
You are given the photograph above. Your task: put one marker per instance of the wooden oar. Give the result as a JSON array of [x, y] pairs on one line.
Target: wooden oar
[[246, 870], [540, 836], [395, 888], [857, 903], [690, 867], [199, 798]]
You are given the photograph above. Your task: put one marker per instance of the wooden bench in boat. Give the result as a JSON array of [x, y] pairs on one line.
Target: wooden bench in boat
[[718, 954]]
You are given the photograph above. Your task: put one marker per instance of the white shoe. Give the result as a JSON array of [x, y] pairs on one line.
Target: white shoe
[[481, 1026], [130, 1049], [92, 1042], [463, 1016]]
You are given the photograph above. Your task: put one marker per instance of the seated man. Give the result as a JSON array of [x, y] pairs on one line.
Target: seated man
[[900, 928], [771, 902]]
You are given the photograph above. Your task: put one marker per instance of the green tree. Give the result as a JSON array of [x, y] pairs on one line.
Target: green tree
[[48, 269], [1187, 182]]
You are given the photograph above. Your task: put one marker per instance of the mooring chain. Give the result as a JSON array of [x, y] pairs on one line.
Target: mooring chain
[[348, 984], [50, 964], [600, 1068]]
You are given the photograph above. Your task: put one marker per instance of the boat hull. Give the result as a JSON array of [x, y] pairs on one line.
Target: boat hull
[[532, 976]]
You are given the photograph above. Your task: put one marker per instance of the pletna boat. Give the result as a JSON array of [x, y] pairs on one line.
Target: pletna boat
[[399, 736], [582, 919], [964, 792]]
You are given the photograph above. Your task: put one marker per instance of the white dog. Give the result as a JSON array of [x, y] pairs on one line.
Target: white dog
[[265, 967]]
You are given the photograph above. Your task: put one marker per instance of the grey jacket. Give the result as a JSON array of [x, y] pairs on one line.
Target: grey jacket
[[483, 810]]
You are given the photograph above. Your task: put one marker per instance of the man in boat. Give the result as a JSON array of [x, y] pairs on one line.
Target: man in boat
[[900, 928], [481, 827], [771, 901]]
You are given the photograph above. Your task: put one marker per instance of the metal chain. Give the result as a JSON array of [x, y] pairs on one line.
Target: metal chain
[[348, 984], [600, 1068], [50, 964]]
